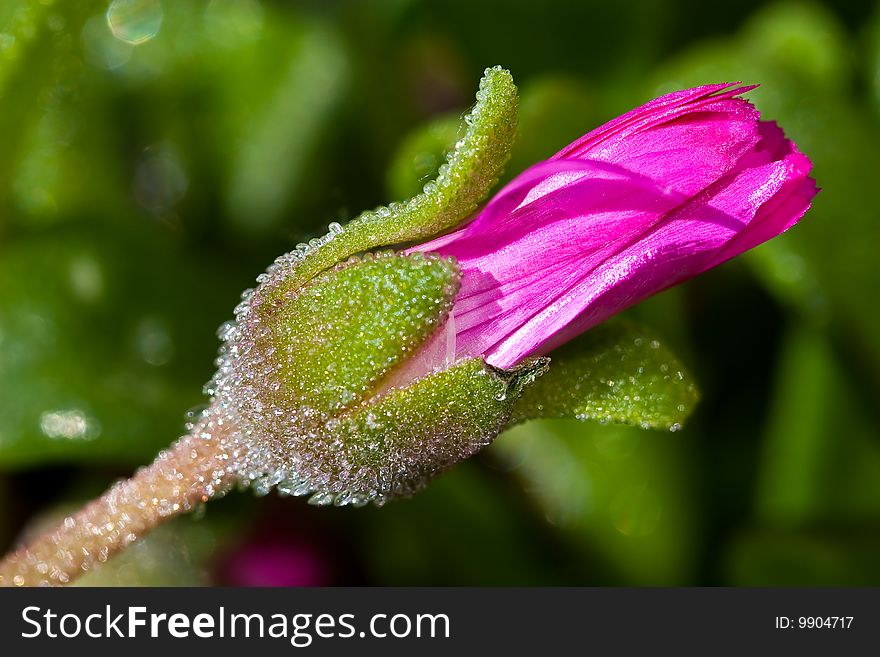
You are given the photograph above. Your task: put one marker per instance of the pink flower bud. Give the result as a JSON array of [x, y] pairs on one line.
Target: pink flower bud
[[648, 200]]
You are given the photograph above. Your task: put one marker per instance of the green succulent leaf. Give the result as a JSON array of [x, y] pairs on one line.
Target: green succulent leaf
[[331, 342], [472, 168], [615, 373], [553, 111]]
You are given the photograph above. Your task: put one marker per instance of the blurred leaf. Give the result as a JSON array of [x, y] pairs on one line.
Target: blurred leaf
[[419, 157], [273, 128], [39, 73], [554, 111], [779, 558], [616, 372], [821, 458], [106, 340], [785, 47], [616, 490], [461, 530], [872, 57], [22, 24]]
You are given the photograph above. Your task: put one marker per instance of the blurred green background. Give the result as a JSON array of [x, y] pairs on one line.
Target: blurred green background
[[156, 156]]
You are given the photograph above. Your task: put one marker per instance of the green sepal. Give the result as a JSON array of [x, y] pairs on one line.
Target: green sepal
[[329, 343], [394, 446], [615, 373], [472, 168], [553, 111]]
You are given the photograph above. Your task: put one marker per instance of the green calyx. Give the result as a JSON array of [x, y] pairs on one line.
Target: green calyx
[[307, 370], [329, 343], [615, 373], [314, 392], [393, 446]]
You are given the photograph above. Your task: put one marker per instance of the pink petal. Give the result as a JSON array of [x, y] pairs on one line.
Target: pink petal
[[648, 200], [756, 205], [689, 152], [514, 261], [650, 114]]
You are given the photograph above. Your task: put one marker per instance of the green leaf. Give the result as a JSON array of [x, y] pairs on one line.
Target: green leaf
[[620, 498], [820, 461], [98, 358], [329, 343], [472, 168], [614, 373]]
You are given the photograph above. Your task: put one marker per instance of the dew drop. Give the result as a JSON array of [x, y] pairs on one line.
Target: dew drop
[[134, 21]]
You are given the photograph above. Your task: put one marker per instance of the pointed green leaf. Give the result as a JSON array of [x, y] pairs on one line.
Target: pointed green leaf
[[471, 170], [328, 344], [614, 373], [553, 111]]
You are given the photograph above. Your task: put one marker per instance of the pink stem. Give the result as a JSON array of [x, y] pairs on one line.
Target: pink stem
[[192, 471]]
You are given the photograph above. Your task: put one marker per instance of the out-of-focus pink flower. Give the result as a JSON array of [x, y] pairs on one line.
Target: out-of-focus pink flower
[[642, 203], [277, 556], [275, 564]]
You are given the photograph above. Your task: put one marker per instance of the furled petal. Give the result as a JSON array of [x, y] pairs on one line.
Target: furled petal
[[650, 199], [732, 217], [685, 145], [515, 262], [650, 114]]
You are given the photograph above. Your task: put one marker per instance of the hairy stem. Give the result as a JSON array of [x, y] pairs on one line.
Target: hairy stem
[[189, 473]]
